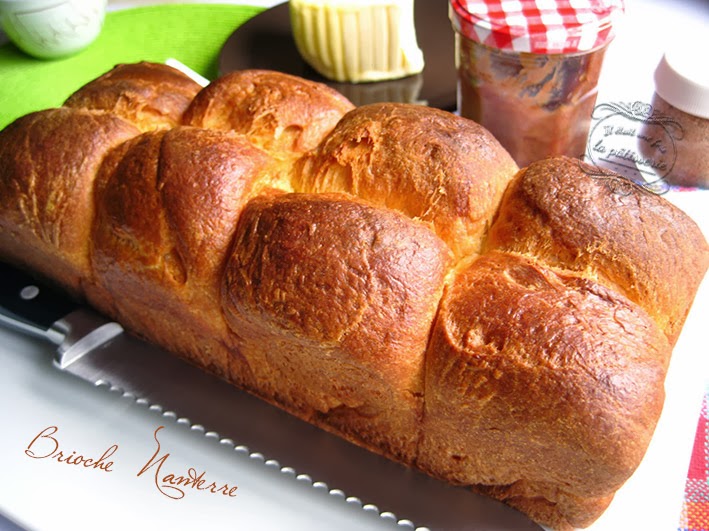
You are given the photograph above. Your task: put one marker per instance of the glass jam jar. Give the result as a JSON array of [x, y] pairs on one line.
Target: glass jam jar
[[528, 70], [682, 96]]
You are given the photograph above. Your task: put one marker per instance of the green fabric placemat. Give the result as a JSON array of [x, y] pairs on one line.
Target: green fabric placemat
[[190, 33]]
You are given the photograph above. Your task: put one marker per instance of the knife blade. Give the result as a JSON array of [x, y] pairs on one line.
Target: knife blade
[[100, 352]]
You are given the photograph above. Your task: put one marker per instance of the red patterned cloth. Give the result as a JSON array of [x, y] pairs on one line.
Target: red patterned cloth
[[695, 511], [537, 26]]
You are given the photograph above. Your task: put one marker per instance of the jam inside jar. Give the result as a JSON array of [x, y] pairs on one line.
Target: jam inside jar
[[534, 86]]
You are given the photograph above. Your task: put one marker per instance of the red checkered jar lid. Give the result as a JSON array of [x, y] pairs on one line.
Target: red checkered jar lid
[[537, 26]]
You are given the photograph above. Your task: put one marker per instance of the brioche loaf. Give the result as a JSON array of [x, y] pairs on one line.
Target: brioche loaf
[[385, 272]]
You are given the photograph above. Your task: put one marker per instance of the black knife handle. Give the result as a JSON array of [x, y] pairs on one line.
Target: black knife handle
[[27, 304]]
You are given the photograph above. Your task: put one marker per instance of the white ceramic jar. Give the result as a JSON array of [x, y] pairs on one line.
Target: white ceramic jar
[[49, 29], [682, 95]]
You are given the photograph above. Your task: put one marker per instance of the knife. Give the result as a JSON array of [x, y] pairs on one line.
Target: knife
[[99, 351]]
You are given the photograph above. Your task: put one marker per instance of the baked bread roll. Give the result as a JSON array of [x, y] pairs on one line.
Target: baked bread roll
[[148, 95], [279, 112], [626, 237], [561, 382], [386, 273], [426, 163], [48, 164], [330, 280], [283, 114], [167, 205]]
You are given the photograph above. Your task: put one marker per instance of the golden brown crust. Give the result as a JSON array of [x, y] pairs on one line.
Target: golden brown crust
[[149, 95], [562, 213], [46, 185], [428, 164], [277, 112], [347, 292], [168, 205], [560, 380]]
